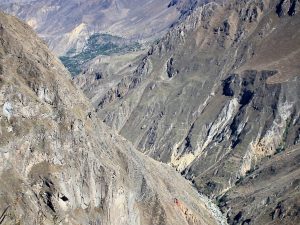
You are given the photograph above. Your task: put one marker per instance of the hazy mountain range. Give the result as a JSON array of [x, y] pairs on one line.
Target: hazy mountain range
[[66, 26]]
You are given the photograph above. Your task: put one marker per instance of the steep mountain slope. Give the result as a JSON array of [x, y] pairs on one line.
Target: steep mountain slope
[[60, 165], [216, 97], [270, 192], [67, 25]]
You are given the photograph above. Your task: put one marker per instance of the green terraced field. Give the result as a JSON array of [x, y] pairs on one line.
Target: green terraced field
[[96, 45]]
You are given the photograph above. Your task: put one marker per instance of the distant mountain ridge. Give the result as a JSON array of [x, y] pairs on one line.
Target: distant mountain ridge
[[66, 25]]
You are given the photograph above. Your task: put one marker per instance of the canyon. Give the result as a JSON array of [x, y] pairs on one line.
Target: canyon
[[195, 120]]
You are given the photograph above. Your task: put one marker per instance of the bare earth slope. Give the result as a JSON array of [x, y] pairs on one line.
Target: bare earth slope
[[216, 97], [60, 165]]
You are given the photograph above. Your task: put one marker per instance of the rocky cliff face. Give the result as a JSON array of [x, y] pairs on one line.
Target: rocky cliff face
[[270, 192], [60, 165], [216, 97]]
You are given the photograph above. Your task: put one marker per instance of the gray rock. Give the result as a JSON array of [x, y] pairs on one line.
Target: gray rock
[[8, 110]]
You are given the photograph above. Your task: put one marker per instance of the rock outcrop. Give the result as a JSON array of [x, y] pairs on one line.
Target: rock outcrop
[[60, 165], [270, 191]]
